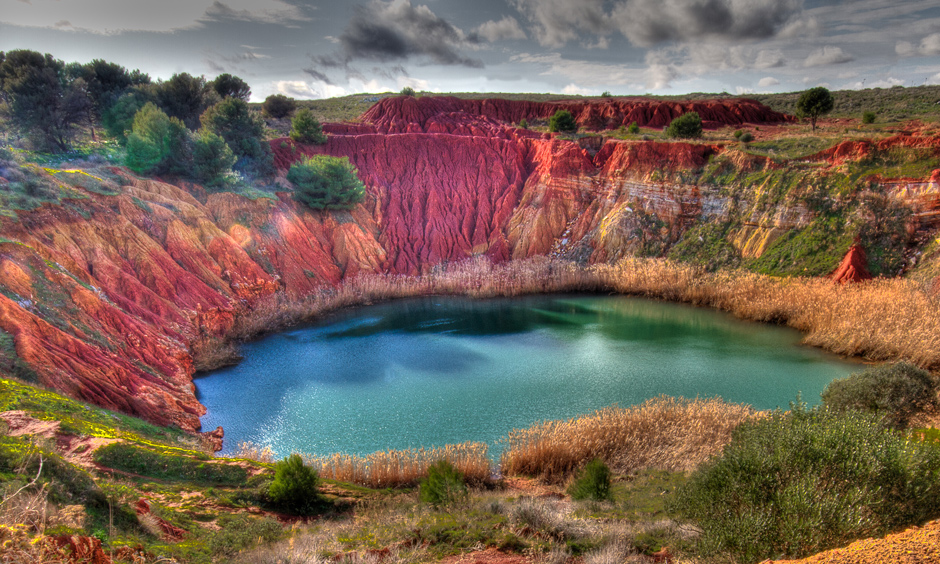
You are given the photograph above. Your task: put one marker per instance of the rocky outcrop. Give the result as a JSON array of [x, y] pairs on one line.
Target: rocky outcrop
[[853, 268], [407, 113]]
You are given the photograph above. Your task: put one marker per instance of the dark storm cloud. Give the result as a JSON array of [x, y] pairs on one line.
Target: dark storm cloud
[[395, 31], [649, 22], [317, 75]]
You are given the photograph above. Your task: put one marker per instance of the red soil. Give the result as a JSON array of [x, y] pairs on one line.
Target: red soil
[[406, 113], [917, 545], [853, 268]]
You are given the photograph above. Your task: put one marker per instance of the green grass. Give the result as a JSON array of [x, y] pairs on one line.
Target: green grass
[[82, 419], [791, 148], [889, 104], [168, 467]]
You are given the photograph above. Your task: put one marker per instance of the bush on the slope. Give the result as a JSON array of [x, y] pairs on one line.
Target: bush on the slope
[[295, 486], [897, 392], [805, 481], [443, 486], [592, 483], [686, 126], [562, 122], [306, 129], [325, 182]]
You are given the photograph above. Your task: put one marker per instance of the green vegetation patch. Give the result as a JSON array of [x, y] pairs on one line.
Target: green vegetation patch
[[707, 244], [804, 481], [168, 467], [815, 250], [79, 418], [792, 148]]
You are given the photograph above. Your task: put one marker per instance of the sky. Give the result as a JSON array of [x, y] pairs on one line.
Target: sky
[[319, 49]]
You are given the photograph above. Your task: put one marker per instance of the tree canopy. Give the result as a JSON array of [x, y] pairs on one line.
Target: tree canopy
[[686, 126], [230, 86], [814, 103], [278, 106], [39, 99], [563, 122], [306, 129], [325, 182]]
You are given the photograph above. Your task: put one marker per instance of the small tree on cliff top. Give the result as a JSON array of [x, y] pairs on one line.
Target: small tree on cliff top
[[686, 126], [562, 121], [325, 182], [306, 129], [814, 103]]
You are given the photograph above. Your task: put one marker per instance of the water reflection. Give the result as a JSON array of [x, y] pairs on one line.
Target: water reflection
[[442, 370]]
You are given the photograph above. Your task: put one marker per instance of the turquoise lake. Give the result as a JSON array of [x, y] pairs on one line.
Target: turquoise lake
[[441, 370]]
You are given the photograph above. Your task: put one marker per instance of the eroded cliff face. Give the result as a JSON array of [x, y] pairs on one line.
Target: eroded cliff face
[[103, 297]]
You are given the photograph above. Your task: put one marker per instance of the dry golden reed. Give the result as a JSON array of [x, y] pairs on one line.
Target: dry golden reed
[[663, 433], [399, 468]]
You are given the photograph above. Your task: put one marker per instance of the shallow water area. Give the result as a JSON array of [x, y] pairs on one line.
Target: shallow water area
[[443, 370]]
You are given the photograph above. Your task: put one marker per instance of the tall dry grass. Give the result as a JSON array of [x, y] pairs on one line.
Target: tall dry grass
[[663, 433], [400, 468], [882, 319]]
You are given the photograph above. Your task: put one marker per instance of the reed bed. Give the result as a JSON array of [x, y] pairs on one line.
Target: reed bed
[[402, 468], [663, 433], [881, 319]]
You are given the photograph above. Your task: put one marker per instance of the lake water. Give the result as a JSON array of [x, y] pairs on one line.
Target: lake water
[[435, 371]]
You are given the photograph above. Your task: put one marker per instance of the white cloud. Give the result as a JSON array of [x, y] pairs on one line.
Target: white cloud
[[506, 28], [304, 90], [827, 55], [930, 45], [574, 89], [559, 21], [904, 48], [935, 79], [117, 16], [769, 59], [767, 82], [739, 90]]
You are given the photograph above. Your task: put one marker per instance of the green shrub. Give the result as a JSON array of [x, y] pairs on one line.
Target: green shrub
[[746, 137], [158, 144], [443, 486], [306, 129], [523, 123], [295, 486], [633, 129], [592, 483], [562, 122], [606, 94], [324, 182], [238, 532], [738, 133], [801, 482], [686, 126], [278, 106], [212, 158], [408, 91], [897, 392], [868, 117]]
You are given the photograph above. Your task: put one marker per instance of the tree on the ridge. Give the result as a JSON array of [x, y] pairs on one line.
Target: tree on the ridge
[[325, 182], [278, 106], [184, 97], [228, 85], [243, 131], [40, 100], [686, 126], [306, 129], [158, 144], [563, 122], [814, 103]]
